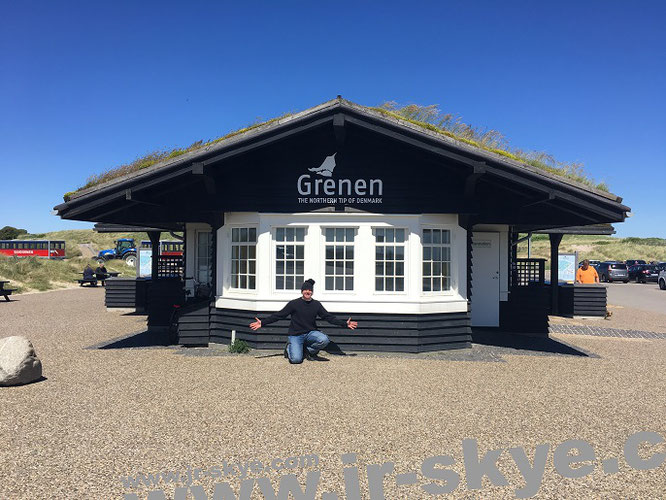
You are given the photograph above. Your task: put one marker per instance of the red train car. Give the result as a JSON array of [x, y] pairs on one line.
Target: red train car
[[167, 247], [47, 249]]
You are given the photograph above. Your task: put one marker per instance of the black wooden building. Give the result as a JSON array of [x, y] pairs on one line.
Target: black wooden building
[[409, 231]]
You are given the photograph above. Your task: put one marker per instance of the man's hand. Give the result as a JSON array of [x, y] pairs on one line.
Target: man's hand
[[351, 324], [256, 325]]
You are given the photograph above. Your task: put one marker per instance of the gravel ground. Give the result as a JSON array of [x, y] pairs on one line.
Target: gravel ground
[[106, 413]]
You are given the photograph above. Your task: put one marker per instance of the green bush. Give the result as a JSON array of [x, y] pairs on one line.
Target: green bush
[[239, 347]]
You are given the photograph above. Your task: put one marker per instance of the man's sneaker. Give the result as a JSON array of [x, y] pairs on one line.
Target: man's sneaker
[[286, 353], [314, 357]]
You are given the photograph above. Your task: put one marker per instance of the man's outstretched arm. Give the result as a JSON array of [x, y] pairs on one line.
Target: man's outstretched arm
[[282, 314], [331, 318]]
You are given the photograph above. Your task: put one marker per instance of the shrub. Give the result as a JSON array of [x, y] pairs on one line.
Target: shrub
[[239, 347]]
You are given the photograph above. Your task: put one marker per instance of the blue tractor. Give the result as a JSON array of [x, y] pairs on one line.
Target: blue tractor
[[125, 249]]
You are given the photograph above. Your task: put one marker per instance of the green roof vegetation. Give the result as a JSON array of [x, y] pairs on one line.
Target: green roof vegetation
[[428, 117], [432, 118]]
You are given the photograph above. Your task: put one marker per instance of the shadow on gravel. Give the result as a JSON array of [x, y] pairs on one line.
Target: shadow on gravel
[[133, 340], [519, 342]]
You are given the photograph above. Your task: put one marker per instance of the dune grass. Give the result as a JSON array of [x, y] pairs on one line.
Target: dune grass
[[599, 247]]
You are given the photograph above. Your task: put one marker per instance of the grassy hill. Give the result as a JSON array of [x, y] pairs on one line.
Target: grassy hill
[[599, 247], [34, 274]]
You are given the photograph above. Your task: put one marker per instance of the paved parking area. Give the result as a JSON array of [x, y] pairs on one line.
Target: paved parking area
[[643, 296]]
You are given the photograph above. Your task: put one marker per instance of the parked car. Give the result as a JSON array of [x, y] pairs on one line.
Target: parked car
[[610, 271], [661, 266], [593, 263], [662, 280], [633, 262], [643, 273]]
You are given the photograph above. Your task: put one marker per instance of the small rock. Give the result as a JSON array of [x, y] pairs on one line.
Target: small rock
[[18, 362]]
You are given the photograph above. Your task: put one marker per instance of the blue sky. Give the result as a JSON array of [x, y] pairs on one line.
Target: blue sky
[[85, 86]]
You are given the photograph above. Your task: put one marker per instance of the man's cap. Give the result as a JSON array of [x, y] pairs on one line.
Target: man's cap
[[307, 284]]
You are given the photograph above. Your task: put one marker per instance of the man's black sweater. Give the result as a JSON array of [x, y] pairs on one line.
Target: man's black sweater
[[303, 316]]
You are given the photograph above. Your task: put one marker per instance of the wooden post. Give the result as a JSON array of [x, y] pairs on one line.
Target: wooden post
[[155, 242], [555, 240]]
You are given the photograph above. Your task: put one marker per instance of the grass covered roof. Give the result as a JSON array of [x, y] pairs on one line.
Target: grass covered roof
[[429, 117]]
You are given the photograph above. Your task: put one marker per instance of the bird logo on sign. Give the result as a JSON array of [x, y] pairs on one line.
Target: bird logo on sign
[[326, 168]]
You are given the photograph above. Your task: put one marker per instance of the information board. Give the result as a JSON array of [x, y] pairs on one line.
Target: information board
[[144, 267], [567, 265]]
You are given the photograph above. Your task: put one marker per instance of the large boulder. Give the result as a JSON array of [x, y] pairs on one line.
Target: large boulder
[[18, 362]]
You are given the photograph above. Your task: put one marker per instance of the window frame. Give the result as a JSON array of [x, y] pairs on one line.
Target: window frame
[[232, 288], [273, 255], [322, 263], [406, 260], [453, 288]]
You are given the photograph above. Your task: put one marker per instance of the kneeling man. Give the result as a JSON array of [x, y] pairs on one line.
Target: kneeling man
[[303, 331]]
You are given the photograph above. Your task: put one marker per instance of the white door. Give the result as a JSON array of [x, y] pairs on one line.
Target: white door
[[485, 279]]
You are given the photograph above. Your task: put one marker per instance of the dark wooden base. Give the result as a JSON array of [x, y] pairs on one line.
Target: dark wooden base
[[376, 332]]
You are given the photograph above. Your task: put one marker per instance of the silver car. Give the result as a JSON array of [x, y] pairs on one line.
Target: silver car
[[662, 279]]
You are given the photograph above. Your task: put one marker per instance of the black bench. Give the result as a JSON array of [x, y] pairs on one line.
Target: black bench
[[7, 292], [90, 281]]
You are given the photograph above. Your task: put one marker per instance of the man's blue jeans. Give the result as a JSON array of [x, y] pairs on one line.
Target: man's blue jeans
[[313, 341]]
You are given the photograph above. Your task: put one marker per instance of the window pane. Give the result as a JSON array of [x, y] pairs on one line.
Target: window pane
[[338, 267], [400, 235], [349, 267], [329, 283], [350, 235], [389, 268], [253, 252], [300, 252], [426, 284], [279, 234], [300, 234], [379, 235], [330, 252], [252, 267], [400, 253], [279, 251], [330, 233], [379, 269], [291, 234], [379, 284], [349, 252], [234, 267], [427, 236], [289, 251], [340, 234], [252, 282], [234, 234], [349, 283], [339, 252], [446, 237], [390, 235], [379, 253], [329, 267], [279, 282], [299, 280], [400, 268], [243, 266], [243, 252], [243, 234], [389, 253], [300, 267], [235, 281], [437, 236], [436, 284], [446, 253], [389, 284], [290, 267], [243, 281], [252, 234], [289, 282], [437, 268], [279, 267], [400, 284], [427, 253], [339, 283]]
